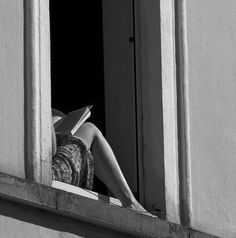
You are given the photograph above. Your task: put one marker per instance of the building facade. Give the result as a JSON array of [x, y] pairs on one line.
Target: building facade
[[180, 56]]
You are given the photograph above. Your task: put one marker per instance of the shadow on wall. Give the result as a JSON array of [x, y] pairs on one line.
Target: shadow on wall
[[37, 222]]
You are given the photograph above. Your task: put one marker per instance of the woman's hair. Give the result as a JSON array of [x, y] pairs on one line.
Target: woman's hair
[[58, 113]]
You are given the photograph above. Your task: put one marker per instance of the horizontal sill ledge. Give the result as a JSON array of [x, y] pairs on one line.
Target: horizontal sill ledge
[[74, 202], [85, 193]]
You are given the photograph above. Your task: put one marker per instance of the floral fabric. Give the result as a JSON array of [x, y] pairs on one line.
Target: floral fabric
[[73, 162]]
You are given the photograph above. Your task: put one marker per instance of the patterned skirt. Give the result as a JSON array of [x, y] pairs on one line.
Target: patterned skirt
[[73, 162]]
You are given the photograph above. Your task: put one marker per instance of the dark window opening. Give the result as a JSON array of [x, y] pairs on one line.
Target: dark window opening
[[77, 60]]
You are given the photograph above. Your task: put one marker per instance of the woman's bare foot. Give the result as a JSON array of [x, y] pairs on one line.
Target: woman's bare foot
[[136, 206]]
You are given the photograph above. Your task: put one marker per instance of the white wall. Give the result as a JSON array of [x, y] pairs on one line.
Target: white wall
[[11, 227], [11, 87], [211, 44]]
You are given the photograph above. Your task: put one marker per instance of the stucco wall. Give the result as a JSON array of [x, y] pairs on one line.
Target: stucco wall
[[11, 87], [26, 222], [211, 49]]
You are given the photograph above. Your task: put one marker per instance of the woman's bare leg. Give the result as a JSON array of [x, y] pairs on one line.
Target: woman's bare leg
[[106, 166]]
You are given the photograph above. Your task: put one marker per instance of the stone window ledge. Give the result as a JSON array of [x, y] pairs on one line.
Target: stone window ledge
[[85, 193], [88, 210]]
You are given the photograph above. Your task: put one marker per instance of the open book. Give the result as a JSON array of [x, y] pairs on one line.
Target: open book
[[73, 120]]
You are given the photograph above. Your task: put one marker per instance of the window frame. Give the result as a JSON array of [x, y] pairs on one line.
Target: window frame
[[38, 99], [38, 141], [169, 98]]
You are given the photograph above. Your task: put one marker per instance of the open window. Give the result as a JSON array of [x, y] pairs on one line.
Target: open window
[[120, 40], [97, 58], [77, 60]]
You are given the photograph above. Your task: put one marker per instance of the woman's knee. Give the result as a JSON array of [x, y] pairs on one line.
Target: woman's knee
[[88, 132], [91, 128]]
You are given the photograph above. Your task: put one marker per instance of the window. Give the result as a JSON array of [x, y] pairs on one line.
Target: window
[[77, 60], [144, 66]]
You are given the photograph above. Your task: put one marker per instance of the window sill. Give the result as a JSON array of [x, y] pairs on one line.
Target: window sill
[[85, 193], [84, 209]]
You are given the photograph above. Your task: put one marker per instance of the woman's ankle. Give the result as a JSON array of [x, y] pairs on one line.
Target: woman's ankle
[[134, 205]]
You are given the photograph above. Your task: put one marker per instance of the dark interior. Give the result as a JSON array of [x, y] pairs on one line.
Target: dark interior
[[77, 59]]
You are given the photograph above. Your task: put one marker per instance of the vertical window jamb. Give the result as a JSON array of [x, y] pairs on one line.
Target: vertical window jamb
[[169, 98], [183, 113], [37, 91]]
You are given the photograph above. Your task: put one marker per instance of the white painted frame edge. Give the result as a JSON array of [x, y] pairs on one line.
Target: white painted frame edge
[[170, 110], [183, 113], [37, 91]]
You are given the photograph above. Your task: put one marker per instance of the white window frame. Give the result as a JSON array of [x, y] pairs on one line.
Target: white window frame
[[38, 99], [38, 91], [169, 98]]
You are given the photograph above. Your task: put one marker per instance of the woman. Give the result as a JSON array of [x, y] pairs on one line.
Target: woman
[[106, 167]]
